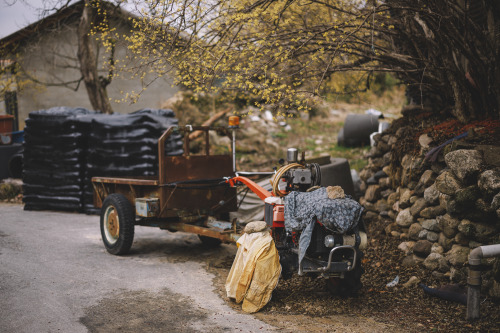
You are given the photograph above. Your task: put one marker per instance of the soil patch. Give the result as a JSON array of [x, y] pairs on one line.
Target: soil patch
[[146, 312]]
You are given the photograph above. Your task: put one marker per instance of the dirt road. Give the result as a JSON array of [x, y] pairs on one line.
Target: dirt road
[[56, 276]]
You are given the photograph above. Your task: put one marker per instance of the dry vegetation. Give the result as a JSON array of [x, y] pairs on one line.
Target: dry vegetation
[[261, 143]]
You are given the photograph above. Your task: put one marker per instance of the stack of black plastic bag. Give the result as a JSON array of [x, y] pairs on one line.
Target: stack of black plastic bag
[[66, 147], [54, 158], [123, 145]]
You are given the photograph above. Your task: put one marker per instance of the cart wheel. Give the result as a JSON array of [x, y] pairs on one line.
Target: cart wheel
[[117, 224], [209, 241]]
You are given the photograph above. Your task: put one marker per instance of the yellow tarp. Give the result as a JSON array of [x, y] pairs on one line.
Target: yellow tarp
[[255, 271]]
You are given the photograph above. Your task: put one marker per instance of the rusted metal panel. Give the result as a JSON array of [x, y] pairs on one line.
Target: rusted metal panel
[[128, 181], [219, 199], [103, 189], [216, 199], [164, 160], [161, 154], [195, 167], [207, 143]]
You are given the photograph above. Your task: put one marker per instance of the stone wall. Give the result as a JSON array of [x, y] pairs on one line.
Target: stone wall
[[439, 210]]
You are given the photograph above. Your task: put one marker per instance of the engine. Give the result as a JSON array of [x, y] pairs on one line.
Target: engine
[[297, 176], [329, 254]]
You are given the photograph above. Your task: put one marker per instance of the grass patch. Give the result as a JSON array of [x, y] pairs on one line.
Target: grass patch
[[318, 137], [355, 156]]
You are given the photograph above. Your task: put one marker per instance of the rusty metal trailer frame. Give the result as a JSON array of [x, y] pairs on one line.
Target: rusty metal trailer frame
[[188, 189]]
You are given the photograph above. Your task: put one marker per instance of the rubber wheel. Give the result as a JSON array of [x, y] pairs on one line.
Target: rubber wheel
[[209, 241], [117, 224], [349, 285]]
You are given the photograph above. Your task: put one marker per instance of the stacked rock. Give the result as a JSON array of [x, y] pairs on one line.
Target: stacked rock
[[54, 158], [440, 210], [375, 181]]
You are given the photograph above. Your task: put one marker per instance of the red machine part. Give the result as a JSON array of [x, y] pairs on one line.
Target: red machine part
[[279, 216], [261, 192], [278, 209]]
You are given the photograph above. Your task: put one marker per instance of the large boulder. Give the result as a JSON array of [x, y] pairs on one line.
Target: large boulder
[[414, 231], [489, 181], [417, 207], [431, 225], [447, 183], [373, 193], [406, 247], [392, 198], [431, 195], [422, 248], [445, 242], [466, 227], [432, 212], [458, 255], [448, 225], [426, 180], [404, 218], [467, 197], [464, 163], [436, 261], [404, 198], [495, 204]]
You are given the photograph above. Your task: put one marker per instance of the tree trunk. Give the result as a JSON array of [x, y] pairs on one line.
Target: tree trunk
[[88, 63]]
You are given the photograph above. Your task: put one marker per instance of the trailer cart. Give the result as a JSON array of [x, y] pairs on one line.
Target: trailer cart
[[189, 194]]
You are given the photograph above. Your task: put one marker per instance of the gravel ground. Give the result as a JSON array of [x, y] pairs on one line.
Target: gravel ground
[[304, 304]]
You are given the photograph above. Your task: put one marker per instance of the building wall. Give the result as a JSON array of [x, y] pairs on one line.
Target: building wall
[[51, 57]]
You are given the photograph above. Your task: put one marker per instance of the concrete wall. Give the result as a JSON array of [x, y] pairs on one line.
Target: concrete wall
[[51, 58]]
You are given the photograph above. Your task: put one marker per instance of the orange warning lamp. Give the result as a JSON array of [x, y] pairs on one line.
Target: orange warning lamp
[[234, 122]]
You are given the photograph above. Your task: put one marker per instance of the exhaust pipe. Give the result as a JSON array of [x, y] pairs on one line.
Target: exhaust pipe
[[474, 279]]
